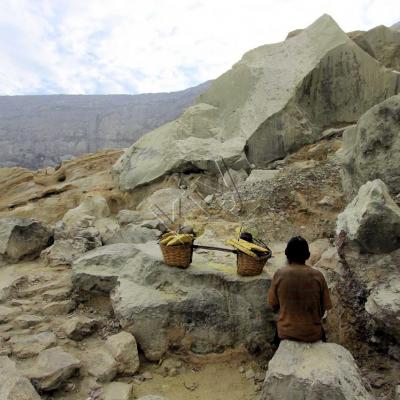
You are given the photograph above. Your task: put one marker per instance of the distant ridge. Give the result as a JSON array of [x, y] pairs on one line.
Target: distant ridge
[[36, 131]]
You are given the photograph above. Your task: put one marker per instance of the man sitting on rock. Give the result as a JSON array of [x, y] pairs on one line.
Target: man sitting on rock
[[301, 295]]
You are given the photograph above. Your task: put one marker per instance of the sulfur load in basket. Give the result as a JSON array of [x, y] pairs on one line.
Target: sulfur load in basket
[[251, 257], [177, 249]]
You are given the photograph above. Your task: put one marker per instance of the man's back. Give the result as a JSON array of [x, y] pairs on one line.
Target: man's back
[[302, 295]]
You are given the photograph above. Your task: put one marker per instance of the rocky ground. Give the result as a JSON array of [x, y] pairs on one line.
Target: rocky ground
[[43, 306]]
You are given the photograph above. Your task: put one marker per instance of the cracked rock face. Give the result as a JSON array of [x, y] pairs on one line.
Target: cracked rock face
[[22, 237], [324, 79], [313, 371], [372, 219], [371, 149], [198, 309]]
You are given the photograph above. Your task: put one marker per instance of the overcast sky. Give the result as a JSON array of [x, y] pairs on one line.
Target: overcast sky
[[136, 46]]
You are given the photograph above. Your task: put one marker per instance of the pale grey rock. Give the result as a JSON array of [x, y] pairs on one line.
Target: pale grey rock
[[71, 241], [101, 365], [236, 121], [148, 296], [28, 346], [125, 217], [14, 386], [23, 237], [38, 131], [371, 149], [313, 371], [94, 206], [396, 26], [372, 219], [117, 391], [53, 368], [382, 43], [262, 175], [234, 177], [123, 348], [134, 234], [78, 327], [383, 304]]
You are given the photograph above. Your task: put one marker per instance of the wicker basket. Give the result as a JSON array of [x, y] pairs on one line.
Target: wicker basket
[[250, 266], [177, 256]]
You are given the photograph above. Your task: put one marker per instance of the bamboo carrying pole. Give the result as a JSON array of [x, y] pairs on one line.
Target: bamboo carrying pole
[[199, 246]]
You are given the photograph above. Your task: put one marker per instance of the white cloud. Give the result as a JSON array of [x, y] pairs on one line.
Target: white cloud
[[129, 46]]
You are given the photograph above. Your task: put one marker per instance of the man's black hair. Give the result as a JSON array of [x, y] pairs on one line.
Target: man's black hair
[[297, 250]]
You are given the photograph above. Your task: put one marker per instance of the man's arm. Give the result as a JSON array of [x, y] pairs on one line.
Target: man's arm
[[325, 297], [273, 299]]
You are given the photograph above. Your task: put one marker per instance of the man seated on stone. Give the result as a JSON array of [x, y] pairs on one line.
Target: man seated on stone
[[301, 295]]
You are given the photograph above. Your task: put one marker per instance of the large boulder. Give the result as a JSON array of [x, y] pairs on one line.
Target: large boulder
[[371, 149], [383, 305], [313, 371], [382, 43], [372, 219], [23, 237], [198, 309], [14, 386], [256, 113]]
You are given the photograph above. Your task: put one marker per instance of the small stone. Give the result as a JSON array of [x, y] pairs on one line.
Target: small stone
[[123, 347], [250, 374], [209, 199], [242, 369], [59, 308], [147, 375], [29, 346], [101, 365], [53, 368], [28, 321], [78, 327], [117, 391]]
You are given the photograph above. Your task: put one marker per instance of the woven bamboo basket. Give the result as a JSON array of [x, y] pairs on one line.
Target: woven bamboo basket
[[177, 256], [250, 266]]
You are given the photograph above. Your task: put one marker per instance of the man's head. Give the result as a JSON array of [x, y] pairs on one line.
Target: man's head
[[297, 250]]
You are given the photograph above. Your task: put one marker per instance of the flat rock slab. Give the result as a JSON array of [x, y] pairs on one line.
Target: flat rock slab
[[313, 371], [52, 369], [29, 346], [117, 391], [14, 386], [198, 309]]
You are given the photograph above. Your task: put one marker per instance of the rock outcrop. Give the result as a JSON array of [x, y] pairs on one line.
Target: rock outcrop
[[22, 237], [383, 305], [371, 150], [313, 371], [37, 131], [198, 309], [382, 43], [372, 219], [13, 385], [256, 113]]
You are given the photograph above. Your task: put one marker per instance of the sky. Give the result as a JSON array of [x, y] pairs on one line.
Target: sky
[[141, 46]]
